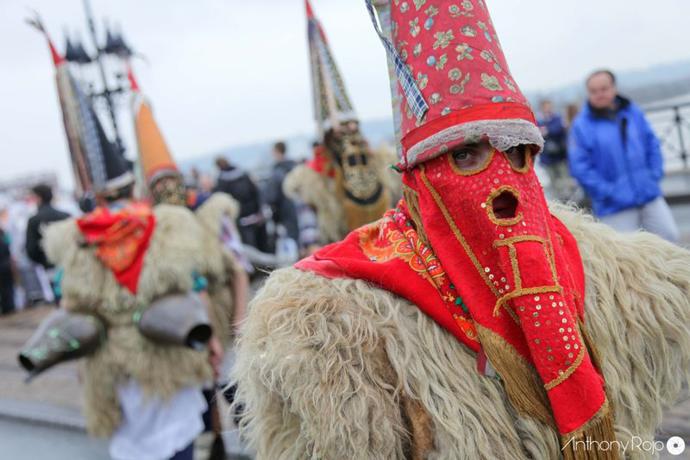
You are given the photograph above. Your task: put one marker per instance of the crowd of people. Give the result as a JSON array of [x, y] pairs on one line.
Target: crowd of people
[[605, 156], [26, 273], [448, 310]]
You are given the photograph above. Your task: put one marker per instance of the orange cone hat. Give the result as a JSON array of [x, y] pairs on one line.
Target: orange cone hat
[[154, 155]]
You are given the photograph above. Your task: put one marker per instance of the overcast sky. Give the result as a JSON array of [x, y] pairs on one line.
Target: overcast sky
[[225, 72]]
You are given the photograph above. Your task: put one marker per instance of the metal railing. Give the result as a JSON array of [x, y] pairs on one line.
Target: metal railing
[[672, 126]]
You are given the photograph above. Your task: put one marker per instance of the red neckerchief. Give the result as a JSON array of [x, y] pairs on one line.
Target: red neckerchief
[[390, 254], [121, 238], [320, 163]]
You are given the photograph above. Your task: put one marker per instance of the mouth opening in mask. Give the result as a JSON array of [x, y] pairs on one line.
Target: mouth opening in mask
[[504, 205]]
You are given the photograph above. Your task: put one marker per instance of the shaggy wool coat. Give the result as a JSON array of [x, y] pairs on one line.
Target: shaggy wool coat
[[172, 257], [220, 267], [339, 369]]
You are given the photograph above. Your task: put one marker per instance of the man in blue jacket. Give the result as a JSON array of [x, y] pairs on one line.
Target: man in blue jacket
[[616, 158]]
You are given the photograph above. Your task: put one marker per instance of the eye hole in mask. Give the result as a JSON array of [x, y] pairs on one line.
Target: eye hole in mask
[[471, 159], [519, 157]]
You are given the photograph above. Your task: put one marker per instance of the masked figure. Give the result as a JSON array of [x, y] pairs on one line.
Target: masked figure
[[164, 184], [346, 182], [134, 307], [470, 321]]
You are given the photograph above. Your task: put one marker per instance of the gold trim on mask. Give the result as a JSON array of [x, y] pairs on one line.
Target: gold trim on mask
[[471, 172], [519, 239], [501, 302], [490, 210], [455, 230], [551, 256], [568, 372], [517, 279]]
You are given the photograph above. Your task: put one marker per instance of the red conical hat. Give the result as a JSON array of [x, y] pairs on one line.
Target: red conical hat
[[452, 52]]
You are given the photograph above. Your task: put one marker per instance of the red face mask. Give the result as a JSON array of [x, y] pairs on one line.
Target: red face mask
[[485, 216]]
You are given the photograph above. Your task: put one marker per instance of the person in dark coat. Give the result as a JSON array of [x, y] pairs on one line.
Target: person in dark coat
[[238, 184], [6, 275], [554, 156], [615, 156], [284, 210], [45, 215]]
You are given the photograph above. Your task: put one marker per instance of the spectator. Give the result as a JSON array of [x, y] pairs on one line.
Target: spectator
[[284, 210], [616, 157], [571, 111], [554, 157], [6, 275], [239, 185], [45, 215]]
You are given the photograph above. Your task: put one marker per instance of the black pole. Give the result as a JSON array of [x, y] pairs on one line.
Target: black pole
[[107, 93], [681, 139]]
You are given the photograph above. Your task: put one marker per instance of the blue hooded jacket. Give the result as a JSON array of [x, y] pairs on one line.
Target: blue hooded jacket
[[616, 157]]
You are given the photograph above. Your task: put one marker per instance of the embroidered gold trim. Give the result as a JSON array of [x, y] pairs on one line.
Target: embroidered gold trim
[[548, 250], [490, 208], [517, 279], [454, 228], [518, 239], [568, 372], [551, 255], [524, 291]]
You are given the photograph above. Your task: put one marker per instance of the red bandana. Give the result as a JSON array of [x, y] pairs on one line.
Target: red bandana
[[390, 254], [121, 239], [321, 163]]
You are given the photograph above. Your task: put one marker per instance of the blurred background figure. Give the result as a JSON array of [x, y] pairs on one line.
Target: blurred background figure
[[615, 156], [251, 222], [571, 111], [7, 275], [45, 214], [309, 235], [283, 209], [40, 271], [554, 157]]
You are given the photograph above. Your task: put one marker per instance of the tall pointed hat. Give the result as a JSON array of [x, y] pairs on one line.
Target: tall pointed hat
[[454, 83], [70, 117], [96, 162], [154, 154], [163, 180], [331, 102]]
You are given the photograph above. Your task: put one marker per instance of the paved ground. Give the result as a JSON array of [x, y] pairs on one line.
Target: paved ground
[[27, 441], [48, 407], [42, 419]]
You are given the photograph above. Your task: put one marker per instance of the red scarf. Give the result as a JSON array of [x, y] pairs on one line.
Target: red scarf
[[390, 254], [121, 239]]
